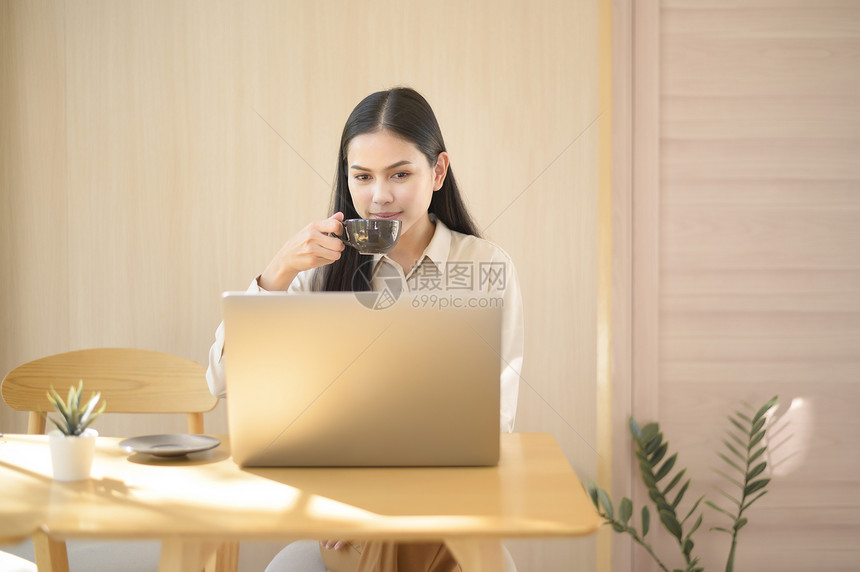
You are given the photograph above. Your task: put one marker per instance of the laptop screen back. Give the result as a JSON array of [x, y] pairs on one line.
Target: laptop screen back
[[323, 380]]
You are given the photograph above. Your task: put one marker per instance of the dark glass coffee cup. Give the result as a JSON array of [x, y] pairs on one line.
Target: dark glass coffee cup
[[371, 235]]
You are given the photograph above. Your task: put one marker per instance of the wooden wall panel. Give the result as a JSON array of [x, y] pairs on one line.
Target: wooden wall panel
[[622, 370], [184, 142], [759, 262], [645, 218], [34, 287]]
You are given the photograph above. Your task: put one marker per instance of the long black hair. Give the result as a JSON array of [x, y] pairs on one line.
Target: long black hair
[[405, 113]]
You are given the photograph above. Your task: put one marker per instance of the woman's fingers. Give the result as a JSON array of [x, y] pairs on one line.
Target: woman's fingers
[[331, 225], [311, 247], [314, 245], [331, 243]]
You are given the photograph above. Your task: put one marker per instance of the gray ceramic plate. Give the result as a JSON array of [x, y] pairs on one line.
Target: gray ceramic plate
[[174, 445]]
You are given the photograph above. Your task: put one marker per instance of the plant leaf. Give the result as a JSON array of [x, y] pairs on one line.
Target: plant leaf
[[57, 402], [646, 520], [754, 441], [737, 453], [757, 454], [662, 504], [666, 467], [625, 510], [79, 395], [747, 505], [721, 529], [62, 429], [737, 424], [635, 431], [758, 425], [87, 422], [654, 444], [658, 454], [647, 477], [75, 407], [695, 526], [649, 432], [671, 523], [717, 508], [688, 546], [91, 405], [681, 494], [730, 497], [740, 523], [765, 408], [730, 462], [591, 489], [674, 482], [743, 416], [607, 504], [692, 510], [739, 484], [755, 486], [741, 443], [70, 400], [756, 471]]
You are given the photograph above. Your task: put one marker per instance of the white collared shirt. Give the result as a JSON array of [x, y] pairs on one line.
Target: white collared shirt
[[452, 265]]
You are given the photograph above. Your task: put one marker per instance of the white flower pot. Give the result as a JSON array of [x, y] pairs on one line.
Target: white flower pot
[[72, 457]]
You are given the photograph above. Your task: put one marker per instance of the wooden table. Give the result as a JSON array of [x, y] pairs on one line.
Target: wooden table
[[194, 503]]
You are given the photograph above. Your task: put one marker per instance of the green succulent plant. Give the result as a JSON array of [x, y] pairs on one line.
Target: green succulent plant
[[745, 455], [74, 417]]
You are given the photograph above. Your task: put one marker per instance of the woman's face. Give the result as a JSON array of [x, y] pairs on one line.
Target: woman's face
[[390, 178]]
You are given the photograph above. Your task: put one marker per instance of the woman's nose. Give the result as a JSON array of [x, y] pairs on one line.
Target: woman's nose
[[382, 193]]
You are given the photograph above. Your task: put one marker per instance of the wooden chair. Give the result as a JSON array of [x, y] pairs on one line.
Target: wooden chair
[[130, 381]]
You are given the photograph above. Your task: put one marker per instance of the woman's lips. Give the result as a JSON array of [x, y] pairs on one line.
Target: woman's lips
[[385, 215]]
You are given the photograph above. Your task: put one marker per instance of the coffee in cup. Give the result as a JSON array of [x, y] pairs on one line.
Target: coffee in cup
[[371, 235]]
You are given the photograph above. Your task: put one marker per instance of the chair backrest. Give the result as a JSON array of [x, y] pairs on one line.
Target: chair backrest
[[130, 381]]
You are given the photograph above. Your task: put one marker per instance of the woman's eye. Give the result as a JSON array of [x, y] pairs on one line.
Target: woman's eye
[[362, 177], [401, 175]]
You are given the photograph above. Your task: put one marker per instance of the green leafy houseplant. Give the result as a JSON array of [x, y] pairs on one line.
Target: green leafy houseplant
[[74, 417], [744, 455]]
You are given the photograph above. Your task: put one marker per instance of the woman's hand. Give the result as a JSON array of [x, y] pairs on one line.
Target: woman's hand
[[312, 247], [336, 544]]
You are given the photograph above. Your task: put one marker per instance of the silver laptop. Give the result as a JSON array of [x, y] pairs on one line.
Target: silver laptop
[[332, 379]]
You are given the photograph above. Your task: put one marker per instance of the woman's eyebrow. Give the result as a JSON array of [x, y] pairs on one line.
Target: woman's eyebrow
[[388, 168]]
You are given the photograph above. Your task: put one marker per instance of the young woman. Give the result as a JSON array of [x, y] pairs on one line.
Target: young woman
[[392, 164]]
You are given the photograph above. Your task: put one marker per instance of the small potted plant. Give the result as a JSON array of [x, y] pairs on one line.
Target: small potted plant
[[73, 443]]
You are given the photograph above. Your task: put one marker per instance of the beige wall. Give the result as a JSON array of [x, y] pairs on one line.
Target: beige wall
[[155, 154], [745, 207]]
